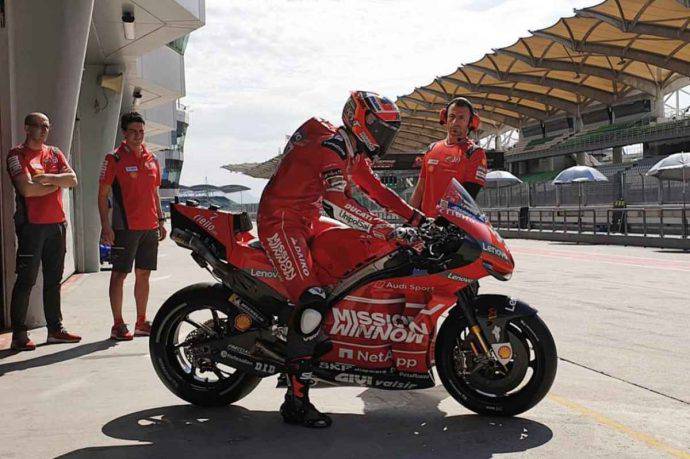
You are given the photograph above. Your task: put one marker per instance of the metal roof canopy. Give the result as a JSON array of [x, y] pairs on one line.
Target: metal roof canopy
[[210, 188], [603, 55]]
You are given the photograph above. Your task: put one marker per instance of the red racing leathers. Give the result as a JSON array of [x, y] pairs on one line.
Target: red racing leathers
[[318, 168]]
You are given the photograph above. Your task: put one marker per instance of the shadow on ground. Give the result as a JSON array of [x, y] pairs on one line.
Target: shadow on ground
[[684, 251], [394, 424], [73, 352]]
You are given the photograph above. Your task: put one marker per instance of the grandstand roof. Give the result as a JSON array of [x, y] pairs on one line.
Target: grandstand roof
[[258, 170], [604, 54], [209, 188]]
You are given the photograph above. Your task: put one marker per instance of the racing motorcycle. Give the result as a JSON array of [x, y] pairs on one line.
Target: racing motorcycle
[[396, 312]]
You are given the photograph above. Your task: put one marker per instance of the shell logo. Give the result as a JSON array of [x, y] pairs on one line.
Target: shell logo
[[504, 352], [243, 322]]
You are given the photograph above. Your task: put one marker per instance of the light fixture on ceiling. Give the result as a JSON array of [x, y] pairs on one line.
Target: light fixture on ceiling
[[128, 24], [136, 95]]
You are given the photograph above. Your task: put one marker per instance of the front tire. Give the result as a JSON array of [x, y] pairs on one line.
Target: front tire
[[199, 381], [533, 368]]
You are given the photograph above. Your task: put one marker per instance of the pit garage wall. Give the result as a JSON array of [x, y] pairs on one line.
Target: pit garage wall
[[47, 80]]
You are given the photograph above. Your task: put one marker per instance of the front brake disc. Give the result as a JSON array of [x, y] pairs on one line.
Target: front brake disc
[[492, 377]]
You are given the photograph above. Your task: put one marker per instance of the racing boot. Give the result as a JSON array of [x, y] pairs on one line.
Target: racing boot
[[297, 409]]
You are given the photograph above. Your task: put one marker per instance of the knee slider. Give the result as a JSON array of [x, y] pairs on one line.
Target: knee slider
[[311, 310]]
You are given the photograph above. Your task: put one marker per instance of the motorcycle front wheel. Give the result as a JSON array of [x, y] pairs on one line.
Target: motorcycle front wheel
[[487, 387]]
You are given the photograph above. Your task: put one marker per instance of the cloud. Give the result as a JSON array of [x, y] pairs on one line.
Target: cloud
[[257, 70]]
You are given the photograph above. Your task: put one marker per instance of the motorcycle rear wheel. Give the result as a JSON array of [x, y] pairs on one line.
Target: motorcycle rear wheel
[[171, 359], [532, 368]]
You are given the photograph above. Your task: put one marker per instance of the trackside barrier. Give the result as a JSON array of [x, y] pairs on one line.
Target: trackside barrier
[[648, 226]]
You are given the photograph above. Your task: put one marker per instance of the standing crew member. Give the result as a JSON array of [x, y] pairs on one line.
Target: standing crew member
[[39, 172], [455, 157], [319, 167], [132, 175]]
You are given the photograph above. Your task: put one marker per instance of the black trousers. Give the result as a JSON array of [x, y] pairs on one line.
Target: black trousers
[[39, 244]]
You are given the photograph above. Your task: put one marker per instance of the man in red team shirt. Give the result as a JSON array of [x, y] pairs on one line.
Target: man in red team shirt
[[320, 165], [132, 175], [39, 172], [455, 157]]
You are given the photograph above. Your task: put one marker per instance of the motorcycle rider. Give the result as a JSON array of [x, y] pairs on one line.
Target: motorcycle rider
[[320, 165]]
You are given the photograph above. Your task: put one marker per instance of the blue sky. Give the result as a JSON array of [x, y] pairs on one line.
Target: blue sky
[[258, 69]]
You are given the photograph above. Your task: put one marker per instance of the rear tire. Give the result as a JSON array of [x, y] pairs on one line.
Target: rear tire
[[167, 359], [540, 355]]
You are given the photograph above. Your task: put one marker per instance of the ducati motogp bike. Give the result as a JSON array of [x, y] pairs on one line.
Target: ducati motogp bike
[[395, 313]]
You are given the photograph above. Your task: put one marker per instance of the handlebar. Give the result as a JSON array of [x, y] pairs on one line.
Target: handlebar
[[441, 239]]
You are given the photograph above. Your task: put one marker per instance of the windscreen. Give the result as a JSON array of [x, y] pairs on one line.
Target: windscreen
[[457, 198]]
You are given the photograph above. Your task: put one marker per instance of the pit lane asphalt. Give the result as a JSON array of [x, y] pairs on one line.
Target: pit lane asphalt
[[619, 317]]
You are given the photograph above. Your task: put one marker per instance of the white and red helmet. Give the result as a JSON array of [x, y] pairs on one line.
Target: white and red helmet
[[374, 121]]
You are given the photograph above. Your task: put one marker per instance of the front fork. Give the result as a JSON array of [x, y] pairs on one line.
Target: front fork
[[464, 301]]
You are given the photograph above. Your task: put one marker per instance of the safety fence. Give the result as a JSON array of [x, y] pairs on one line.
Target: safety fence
[[639, 221], [631, 186]]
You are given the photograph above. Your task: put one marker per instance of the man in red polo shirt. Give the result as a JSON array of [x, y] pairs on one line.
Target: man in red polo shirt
[[132, 176], [39, 172], [455, 157]]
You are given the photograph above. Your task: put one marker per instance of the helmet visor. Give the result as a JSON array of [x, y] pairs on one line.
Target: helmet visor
[[383, 132]]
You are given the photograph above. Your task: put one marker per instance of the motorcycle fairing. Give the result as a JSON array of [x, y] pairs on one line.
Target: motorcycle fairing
[[350, 375], [458, 207]]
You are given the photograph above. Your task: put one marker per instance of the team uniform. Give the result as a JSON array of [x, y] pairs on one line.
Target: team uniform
[[134, 181], [317, 171], [41, 234], [320, 165], [465, 162]]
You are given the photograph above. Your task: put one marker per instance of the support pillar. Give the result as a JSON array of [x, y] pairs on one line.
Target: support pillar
[[47, 80], [658, 105], [97, 126], [581, 158], [617, 155]]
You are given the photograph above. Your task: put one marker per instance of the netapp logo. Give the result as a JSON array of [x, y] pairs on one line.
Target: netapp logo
[[363, 324], [366, 356]]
